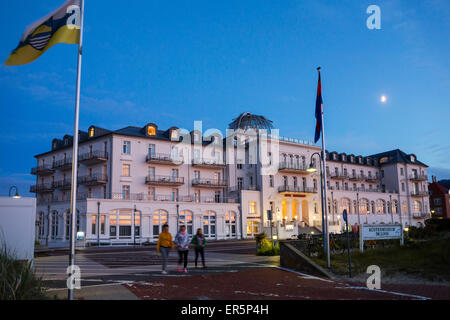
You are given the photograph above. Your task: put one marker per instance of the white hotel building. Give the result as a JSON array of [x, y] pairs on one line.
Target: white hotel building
[[134, 180]]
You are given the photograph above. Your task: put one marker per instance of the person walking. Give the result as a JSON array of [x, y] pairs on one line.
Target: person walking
[[182, 243], [164, 245], [199, 243]]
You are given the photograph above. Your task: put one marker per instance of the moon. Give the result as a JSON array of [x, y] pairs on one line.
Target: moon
[[383, 99]]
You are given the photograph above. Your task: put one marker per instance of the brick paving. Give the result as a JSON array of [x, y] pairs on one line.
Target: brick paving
[[272, 284]]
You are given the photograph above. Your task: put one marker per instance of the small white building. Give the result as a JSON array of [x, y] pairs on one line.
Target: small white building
[[17, 226], [134, 180]]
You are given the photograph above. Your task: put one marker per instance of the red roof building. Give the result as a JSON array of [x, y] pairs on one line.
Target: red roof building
[[439, 200]]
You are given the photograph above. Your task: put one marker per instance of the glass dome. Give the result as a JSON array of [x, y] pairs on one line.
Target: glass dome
[[247, 121]]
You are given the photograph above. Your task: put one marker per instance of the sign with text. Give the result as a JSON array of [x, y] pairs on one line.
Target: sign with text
[[380, 232]]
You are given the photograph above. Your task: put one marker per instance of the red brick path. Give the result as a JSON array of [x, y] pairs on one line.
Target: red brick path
[[272, 283]]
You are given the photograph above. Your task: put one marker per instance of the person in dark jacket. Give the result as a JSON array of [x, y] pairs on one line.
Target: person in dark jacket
[[199, 243]]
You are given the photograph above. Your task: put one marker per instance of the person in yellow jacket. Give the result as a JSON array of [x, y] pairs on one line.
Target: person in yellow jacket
[[165, 244]]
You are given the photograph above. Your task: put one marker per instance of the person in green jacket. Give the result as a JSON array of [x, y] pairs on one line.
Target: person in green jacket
[[199, 243]]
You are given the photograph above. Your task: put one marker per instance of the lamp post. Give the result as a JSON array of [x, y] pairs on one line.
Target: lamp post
[[313, 169], [16, 196]]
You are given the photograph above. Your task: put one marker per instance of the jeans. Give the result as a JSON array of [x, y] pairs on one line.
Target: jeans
[[165, 256], [183, 257], [200, 251]]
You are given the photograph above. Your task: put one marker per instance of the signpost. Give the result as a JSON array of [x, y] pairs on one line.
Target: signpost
[[345, 216], [380, 232]]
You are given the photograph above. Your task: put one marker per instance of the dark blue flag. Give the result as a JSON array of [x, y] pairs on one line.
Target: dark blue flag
[[319, 106]]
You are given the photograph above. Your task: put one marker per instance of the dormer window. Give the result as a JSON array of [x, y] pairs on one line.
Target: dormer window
[[196, 137], [151, 131], [91, 132], [174, 136], [54, 145], [413, 159], [66, 141]]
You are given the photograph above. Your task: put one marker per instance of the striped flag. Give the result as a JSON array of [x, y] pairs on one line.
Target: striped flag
[[319, 109], [60, 26]]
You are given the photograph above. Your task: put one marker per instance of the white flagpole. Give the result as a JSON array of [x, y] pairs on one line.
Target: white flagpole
[[325, 195], [73, 201]]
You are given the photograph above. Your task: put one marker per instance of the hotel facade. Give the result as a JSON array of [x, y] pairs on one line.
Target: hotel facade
[[134, 180]]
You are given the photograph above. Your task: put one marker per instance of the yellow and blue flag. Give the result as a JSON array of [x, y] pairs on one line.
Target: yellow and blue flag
[[60, 26]]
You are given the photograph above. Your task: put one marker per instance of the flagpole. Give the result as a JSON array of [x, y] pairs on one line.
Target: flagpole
[[73, 193], [325, 196]]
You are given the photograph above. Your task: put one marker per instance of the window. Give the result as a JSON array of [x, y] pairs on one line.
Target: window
[[209, 224], [403, 187], [240, 183], [94, 225], [271, 183], [126, 192], [160, 217], [102, 224], [126, 147], [68, 223], [151, 194], [174, 135], [217, 196], [91, 132], [402, 172], [151, 150], [54, 233], [437, 202], [230, 224], [186, 218], [417, 207], [252, 228], [252, 207], [126, 170], [239, 166], [151, 131]]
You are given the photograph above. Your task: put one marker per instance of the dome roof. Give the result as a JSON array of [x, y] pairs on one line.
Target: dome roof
[[247, 121]]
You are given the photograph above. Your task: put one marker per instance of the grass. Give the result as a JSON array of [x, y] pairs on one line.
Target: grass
[[18, 280], [429, 259]]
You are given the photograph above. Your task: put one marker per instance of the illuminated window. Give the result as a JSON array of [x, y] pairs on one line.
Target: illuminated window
[[160, 218], [252, 228], [126, 147], [252, 207], [174, 135], [151, 131], [126, 170], [91, 132]]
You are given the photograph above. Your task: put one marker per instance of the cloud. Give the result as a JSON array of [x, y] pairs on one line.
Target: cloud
[[440, 173]]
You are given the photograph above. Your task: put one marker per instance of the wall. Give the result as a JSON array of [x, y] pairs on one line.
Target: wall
[[17, 226]]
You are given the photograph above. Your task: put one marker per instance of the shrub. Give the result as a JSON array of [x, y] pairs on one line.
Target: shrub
[[18, 280]]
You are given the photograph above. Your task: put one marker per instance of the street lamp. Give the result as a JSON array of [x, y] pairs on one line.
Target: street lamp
[[16, 196]]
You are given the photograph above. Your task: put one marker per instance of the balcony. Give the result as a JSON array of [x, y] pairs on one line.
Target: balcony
[[371, 179], [420, 216], [419, 193], [357, 177], [44, 170], [93, 157], [296, 190], [418, 177], [153, 180], [93, 180], [209, 183], [293, 168], [208, 164], [165, 159], [42, 188], [63, 165], [63, 184], [338, 175]]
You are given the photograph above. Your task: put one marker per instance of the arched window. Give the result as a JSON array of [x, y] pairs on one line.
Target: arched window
[[373, 207], [186, 218], [335, 207], [230, 224], [380, 206], [160, 218], [209, 224], [346, 205], [55, 221], [394, 206], [417, 207], [151, 131], [364, 206], [41, 224]]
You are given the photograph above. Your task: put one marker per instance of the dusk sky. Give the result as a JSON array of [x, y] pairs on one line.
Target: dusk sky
[[175, 62]]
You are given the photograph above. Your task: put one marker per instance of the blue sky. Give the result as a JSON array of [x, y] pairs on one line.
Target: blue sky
[[174, 62]]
